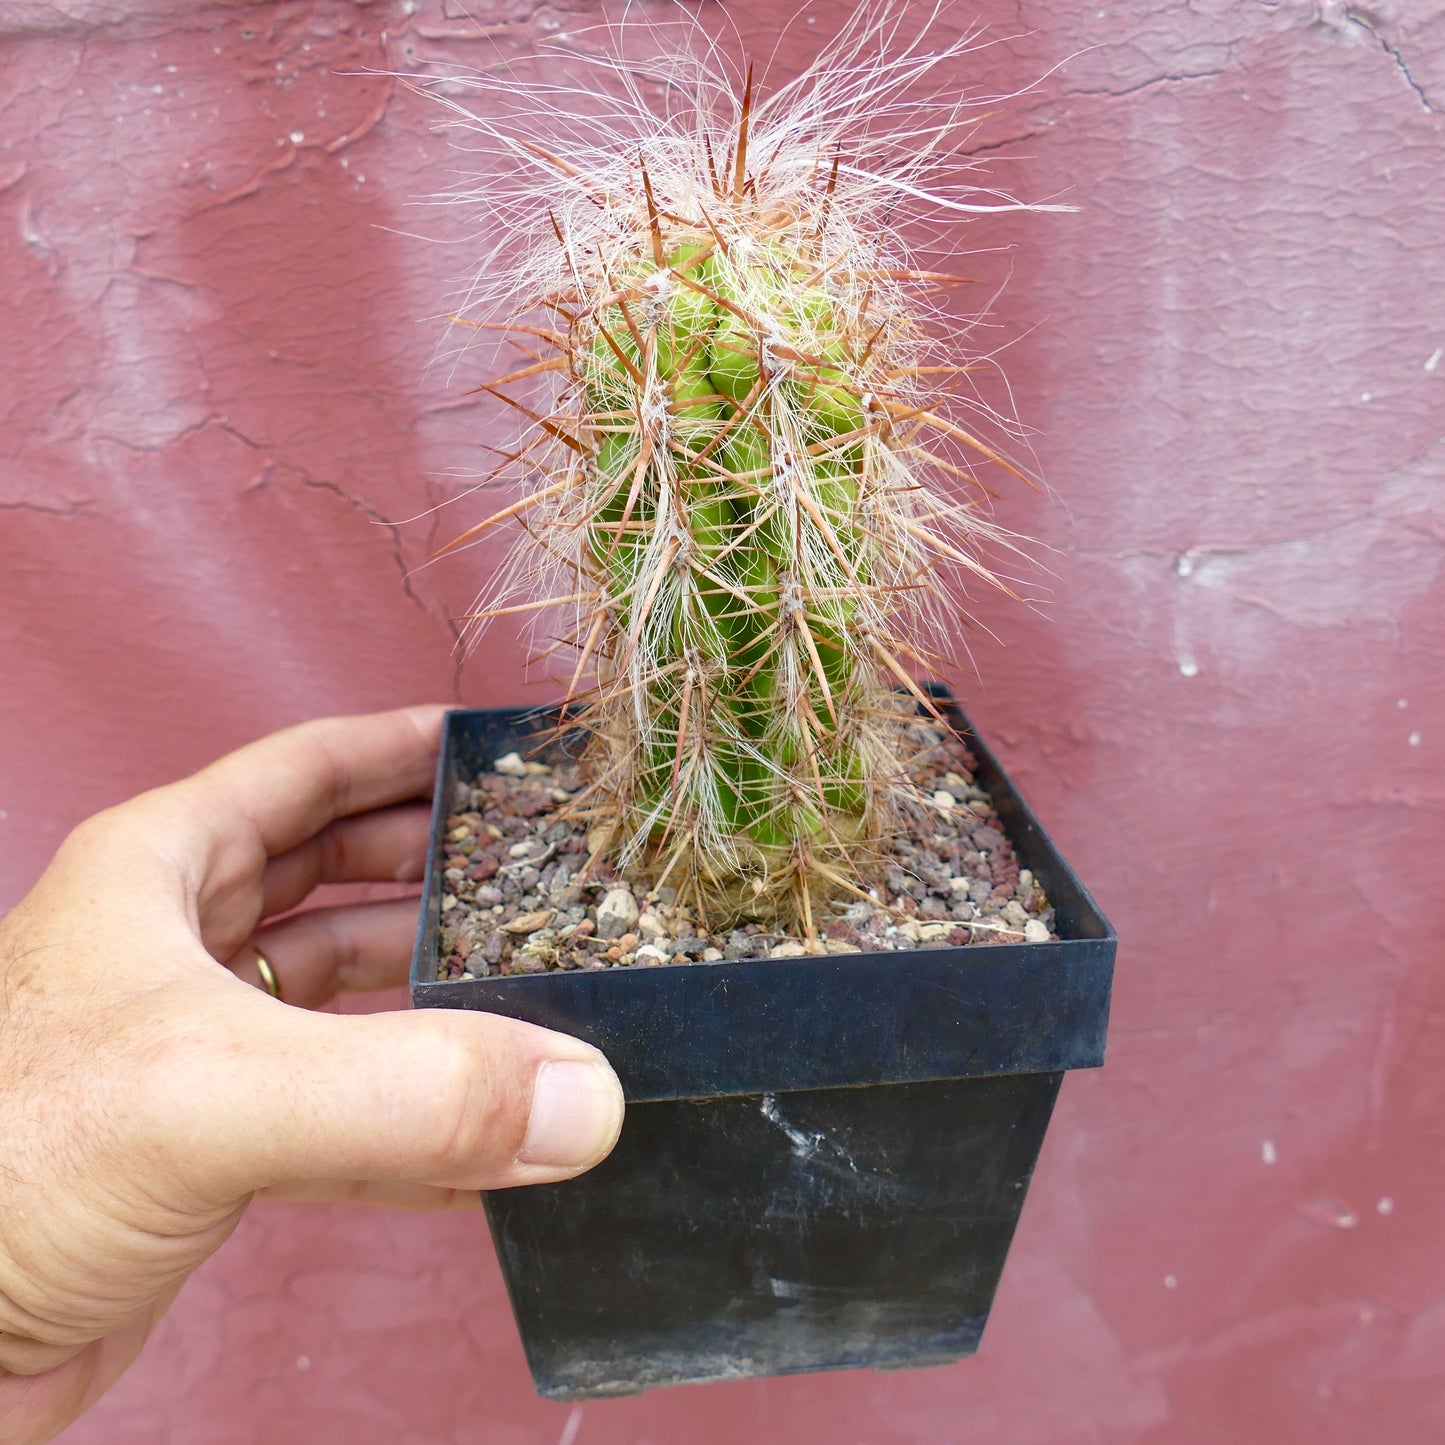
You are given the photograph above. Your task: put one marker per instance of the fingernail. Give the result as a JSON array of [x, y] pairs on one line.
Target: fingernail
[[576, 1113]]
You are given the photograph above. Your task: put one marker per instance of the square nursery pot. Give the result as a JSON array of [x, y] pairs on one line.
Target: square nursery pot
[[824, 1159]]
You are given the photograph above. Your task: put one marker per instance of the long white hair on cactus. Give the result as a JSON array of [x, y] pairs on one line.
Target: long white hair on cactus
[[751, 448]]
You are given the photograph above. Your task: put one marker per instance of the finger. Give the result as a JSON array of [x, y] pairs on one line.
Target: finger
[[322, 952], [384, 846], [282, 789], [423, 1198], [265, 1095]]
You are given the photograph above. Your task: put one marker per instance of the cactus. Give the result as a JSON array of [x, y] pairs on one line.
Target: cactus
[[748, 482]]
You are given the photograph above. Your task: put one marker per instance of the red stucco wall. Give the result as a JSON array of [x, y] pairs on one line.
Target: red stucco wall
[[216, 411]]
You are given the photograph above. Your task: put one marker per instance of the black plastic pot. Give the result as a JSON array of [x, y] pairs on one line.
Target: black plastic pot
[[824, 1159]]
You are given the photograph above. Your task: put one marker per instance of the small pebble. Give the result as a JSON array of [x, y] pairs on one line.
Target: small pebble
[[616, 913], [529, 922], [1035, 932], [511, 766], [741, 945], [790, 949], [650, 953], [649, 925], [712, 955]]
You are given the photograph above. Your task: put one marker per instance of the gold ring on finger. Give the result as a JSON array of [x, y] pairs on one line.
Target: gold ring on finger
[[269, 981]]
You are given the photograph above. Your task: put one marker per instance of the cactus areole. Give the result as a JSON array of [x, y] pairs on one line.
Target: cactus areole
[[751, 481]]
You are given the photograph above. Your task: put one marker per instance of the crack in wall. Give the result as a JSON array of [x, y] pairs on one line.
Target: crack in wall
[[1171, 79], [359, 504], [62, 509], [1364, 23], [393, 531], [1008, 140]]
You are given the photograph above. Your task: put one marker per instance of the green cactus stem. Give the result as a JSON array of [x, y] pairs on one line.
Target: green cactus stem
[[752, 488]]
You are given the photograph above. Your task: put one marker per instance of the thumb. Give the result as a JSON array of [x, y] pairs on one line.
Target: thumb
[[443, 1097]]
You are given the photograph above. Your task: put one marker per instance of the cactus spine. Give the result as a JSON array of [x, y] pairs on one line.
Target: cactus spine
[[747, 484]]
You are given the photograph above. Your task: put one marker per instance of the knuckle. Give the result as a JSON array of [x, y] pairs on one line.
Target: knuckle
[[97, 833], [341, 945], [335, 850], [477, 1113]]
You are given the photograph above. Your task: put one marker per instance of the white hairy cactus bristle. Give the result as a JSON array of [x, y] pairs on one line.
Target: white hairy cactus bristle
[[751, 450]]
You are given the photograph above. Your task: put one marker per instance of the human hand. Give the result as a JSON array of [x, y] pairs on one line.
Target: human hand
[[148, 1092]]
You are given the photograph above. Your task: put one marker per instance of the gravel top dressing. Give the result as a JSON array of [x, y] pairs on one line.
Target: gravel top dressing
[[517, 898]]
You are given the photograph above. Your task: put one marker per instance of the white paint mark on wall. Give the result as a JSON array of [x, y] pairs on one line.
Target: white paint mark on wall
[[30, 231], [1367, 396], [1385, 1205], [1170, 1282], [303, 1363], [571, 1427], [1433, 360], [1184, 567], [1402, 702], [1368, 566], [1188, 667], [1268, 1152], [1413, 740]]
